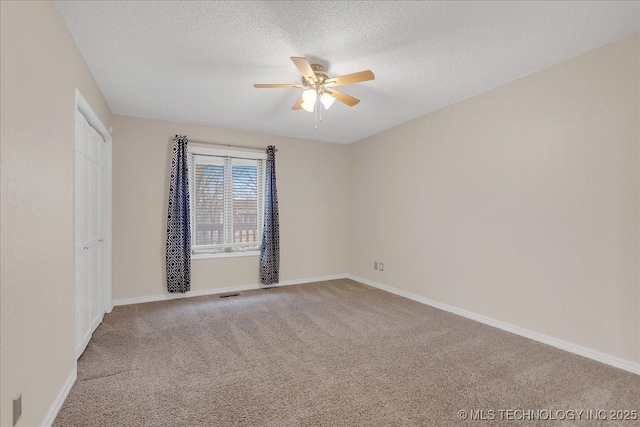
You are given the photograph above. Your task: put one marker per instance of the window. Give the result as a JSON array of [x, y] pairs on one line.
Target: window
[[226, 191]]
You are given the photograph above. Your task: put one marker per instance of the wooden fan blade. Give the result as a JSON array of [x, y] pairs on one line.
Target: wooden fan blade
[[305, 68], [348, 79], [297, 105], [343, 97], [277, 86]]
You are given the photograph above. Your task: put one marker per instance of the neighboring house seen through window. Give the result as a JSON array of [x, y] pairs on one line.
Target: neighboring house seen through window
[[226, 191]]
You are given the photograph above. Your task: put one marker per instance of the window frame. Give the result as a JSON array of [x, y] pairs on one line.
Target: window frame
[[232, 154]]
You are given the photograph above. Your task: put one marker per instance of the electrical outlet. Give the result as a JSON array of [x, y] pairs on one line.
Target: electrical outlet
[[381, 266], [375, 265], [17, 408]]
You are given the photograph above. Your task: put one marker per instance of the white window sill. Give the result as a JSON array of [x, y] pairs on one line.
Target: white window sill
[[225, 255]]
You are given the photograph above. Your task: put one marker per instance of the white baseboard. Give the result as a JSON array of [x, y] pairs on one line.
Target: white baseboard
[[62, 396], [225, 290], [545, 339]]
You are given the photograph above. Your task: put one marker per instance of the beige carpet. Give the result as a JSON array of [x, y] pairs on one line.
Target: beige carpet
[[335, 353]]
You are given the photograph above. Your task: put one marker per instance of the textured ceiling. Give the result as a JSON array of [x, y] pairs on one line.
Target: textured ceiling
[[196, 62]]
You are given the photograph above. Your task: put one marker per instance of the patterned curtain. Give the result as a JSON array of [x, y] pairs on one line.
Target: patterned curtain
[[270, 252], [178, 226]]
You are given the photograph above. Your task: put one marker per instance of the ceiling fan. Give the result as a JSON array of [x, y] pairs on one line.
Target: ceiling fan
[[318, 85]]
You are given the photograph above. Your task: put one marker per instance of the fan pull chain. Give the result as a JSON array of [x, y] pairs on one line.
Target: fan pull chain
[[315, 115]]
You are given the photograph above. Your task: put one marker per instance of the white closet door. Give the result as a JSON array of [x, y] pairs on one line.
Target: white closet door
[[79, 233], [97, 230], [90, 232]]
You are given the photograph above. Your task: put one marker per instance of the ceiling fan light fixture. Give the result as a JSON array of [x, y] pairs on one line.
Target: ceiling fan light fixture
[[309, 96], [327, 100], [319, 86], [308, 106]]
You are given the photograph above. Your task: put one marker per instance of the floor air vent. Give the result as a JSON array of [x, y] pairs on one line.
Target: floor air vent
[[229, 295]]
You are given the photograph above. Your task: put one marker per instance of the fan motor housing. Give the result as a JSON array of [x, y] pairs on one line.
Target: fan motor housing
[[321, 75]]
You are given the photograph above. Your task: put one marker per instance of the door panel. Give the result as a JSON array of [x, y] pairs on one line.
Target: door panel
[[85, 289], [96, 286]]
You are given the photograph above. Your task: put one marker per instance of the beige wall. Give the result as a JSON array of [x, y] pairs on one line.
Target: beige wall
[[312, 195], [520, 204], [40, 68]]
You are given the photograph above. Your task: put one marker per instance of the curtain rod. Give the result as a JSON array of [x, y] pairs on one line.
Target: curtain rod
[[227, 144]]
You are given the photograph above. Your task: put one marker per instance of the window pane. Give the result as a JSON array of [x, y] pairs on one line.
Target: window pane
[[226, 203], [209, 204], [245, 201]]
